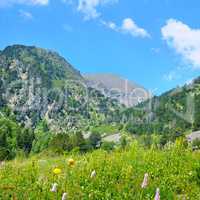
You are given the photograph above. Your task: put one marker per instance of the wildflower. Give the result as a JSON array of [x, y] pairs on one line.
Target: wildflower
[[54, 187], [145, 181], [157, 197], [93, 174], [71, 162], [57, 171], [64, 196]]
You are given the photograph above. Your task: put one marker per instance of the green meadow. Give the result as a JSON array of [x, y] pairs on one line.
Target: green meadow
[[175, 170]]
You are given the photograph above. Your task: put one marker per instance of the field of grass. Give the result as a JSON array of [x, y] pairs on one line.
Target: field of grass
[[119, 175], [106, 129]]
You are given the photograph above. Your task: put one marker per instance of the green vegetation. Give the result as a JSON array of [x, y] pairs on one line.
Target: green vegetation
[[119, 175], [173, 113], [14, 138], [106, 129], [38, 85], [47, 113]]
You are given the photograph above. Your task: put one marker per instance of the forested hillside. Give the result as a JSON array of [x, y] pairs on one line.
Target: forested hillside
[[171, 114], [46, 95]]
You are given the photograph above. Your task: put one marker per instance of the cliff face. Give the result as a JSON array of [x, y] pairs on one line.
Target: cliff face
[[37, 84]]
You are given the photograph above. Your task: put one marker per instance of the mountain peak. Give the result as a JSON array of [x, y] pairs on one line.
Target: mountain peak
[[116, 87]]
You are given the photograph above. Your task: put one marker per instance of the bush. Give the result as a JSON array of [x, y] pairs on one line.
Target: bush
[[196, 144], [108, 146], [95, 140]]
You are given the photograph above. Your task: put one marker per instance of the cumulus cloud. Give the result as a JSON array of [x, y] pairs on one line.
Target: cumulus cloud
[[128, 26], [184, 39], [89, 7], [4, 3]]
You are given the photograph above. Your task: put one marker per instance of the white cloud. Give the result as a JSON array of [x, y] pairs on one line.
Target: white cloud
[[39, 2], [25, 14], [110, 25], [4, 3], [89, 7], [128, 27], [184, 39]]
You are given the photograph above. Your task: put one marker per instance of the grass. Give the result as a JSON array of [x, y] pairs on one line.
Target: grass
[[106, 129], [119, 175]]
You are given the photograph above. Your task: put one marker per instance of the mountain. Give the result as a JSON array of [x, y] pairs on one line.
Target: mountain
[[116, 87], [174, 112], [39, 85]]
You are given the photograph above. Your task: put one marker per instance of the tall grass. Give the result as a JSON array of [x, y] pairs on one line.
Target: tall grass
[[119, 175]]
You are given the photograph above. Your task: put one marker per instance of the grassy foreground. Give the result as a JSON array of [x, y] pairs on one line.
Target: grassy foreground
[[119, 175]]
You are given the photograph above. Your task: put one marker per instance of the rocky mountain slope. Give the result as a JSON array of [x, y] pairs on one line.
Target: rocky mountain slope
[[115, 87], [37, 84]]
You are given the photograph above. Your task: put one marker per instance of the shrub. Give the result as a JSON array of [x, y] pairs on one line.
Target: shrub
[[108, 146]]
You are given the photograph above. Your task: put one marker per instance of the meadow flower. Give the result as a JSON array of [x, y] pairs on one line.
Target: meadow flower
[[64, 196], [57, 171], [157, 197], [145, 181], [54, 187], [71, 162], [93, 174]]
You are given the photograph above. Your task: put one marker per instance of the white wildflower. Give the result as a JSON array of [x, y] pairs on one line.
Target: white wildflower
[[64, 196], [54, 187], [93, 174], [145, 181]]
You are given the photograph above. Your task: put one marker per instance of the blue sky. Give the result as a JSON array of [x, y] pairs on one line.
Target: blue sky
[[155, 43]]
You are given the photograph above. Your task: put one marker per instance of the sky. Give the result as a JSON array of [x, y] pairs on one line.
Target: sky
[[155, 43]]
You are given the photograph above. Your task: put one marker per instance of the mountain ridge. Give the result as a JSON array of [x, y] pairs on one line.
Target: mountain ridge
[[114, 86]]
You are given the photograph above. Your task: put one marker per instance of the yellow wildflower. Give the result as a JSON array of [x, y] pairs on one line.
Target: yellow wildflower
[[71, 162], [57, 171]]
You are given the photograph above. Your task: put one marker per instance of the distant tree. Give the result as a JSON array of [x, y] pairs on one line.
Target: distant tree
[[123, 141], [25, 140], [196, 125], [42, 138], [164, 139], [60, 142], [196, 144], [86, 146], [8, 132], [147, 140], [95, 140], [108, 146], [79, 139]]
